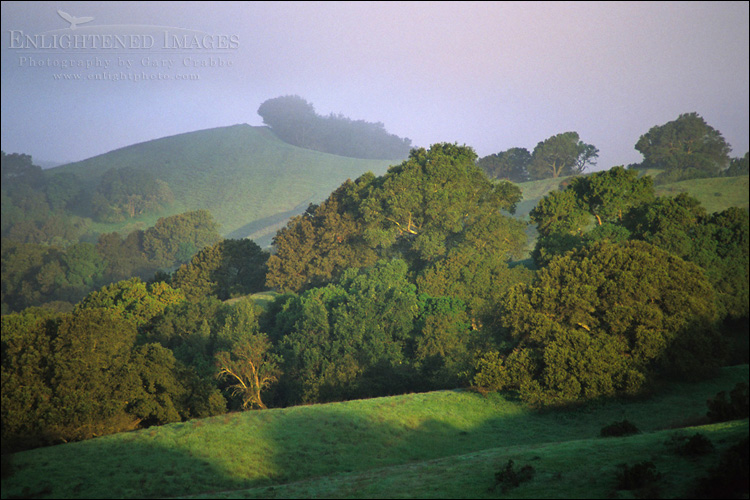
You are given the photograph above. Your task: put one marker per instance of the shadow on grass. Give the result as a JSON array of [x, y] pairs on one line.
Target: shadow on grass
[[272, 220], [114, 468]]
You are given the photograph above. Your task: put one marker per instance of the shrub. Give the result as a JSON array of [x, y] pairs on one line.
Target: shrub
[[641, 477], [508, 477], [721, 410], [696, 445], [617, 429]]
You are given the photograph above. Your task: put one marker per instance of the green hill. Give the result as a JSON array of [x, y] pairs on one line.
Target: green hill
[[444, 444], [250, 180], [715, 194]]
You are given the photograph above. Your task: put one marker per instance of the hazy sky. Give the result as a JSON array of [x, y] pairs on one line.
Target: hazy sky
[[492, 75]]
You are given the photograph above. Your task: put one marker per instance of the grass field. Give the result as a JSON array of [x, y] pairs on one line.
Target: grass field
[[441, 444], [249, 180], [715, 194]]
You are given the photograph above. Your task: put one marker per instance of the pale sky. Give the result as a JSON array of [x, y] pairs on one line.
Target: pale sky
[[491, 75]]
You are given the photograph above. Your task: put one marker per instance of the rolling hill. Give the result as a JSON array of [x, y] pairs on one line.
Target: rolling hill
[[250, 180], [443, 444]]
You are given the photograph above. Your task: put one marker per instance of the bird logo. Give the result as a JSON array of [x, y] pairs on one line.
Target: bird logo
[[74, 21]]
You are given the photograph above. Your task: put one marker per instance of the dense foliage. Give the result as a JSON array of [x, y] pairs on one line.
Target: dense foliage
[[229, 268], [618, 205], [126, 192], [512, 165], [684, 148], [295, 121], [35, 274], [340, 342], [82, 374], [605, 320], [435, 203], [557, 156]]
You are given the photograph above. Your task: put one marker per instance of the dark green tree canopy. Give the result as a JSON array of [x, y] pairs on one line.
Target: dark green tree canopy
[[609, 195], [604, 320], [331, 337], [738, 166], [591, 201], [718, 242], [683, 146], [512, 165], [20, 169], [560, 155], [317, 246], [419, 210], [226, 269]]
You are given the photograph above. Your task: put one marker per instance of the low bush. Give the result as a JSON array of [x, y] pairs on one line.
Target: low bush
[[617, 429], [641, 478], [508, 477], [696, 445], [738, 406]]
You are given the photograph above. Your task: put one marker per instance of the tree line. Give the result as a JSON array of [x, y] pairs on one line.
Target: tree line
[[685, 148], [37, 274]]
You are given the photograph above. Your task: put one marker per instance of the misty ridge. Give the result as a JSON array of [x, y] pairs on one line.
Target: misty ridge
[[295, 121]]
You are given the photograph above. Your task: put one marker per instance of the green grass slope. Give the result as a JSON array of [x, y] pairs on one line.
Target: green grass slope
[[415, 445], [584, 468], [715, 194], [250, 180]]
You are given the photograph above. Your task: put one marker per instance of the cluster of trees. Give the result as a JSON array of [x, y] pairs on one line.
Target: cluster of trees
[[86, 373], [295, 121], [133, 354], [38, 208], [617, 205], [56, 209], [631, 287], [127, 192], [34, 274], [557, 156], [605, 320], [687, 148], [408, 281]]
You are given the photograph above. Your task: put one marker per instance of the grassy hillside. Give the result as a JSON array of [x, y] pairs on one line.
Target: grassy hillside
[[716, 194], [251, 181], [439, 444]]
